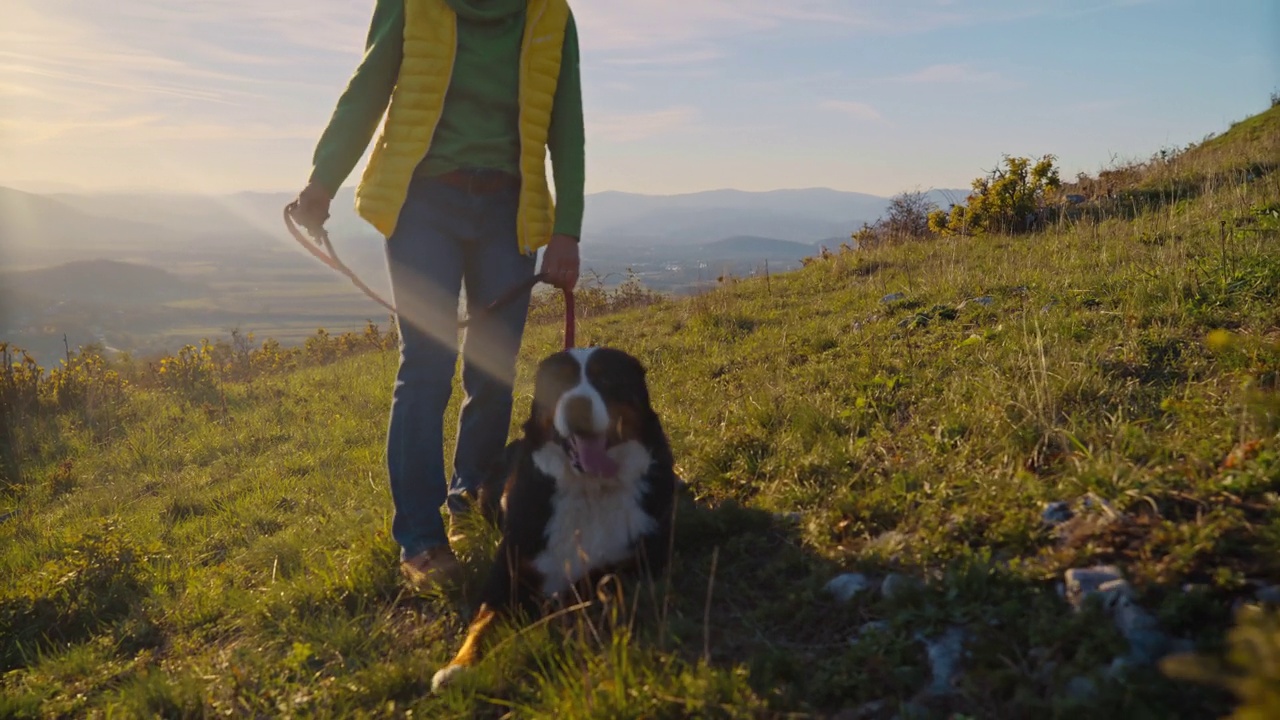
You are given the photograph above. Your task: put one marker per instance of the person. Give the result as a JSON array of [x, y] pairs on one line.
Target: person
[[476, 93]]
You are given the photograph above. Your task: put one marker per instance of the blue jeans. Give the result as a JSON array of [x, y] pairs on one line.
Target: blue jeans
[[448, 238]]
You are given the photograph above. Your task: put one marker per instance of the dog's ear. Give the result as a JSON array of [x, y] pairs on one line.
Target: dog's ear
[[536, 429], [639, 381], [640, 369]]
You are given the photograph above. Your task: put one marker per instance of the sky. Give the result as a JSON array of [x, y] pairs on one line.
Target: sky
[[218, 96]]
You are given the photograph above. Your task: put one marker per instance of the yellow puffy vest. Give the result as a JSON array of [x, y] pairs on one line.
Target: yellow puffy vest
[[430, 46]]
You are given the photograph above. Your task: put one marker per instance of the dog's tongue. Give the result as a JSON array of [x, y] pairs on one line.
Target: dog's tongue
[[594, 456]]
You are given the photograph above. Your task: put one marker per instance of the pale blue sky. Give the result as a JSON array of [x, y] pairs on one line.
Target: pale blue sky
[[681, 95]]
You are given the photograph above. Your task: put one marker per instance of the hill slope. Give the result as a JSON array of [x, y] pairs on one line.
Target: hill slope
[[748, 246], [101, 281], [905, 413], [35, 228]]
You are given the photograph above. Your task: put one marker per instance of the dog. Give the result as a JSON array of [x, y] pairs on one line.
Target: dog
[[588, 490]]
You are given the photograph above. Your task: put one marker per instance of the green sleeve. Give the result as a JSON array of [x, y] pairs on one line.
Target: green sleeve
[[567, 140], [362, 104]]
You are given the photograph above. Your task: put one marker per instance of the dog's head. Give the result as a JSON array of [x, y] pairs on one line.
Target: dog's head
[[590, 400]]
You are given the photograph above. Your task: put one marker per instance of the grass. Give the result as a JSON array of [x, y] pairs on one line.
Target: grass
[[182, 558]]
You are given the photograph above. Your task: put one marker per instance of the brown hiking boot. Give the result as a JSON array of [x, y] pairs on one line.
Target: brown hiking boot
[[430, 567]]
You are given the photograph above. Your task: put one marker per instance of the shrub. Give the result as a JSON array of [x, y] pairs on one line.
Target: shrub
[[193, 371], [87, 381], [907, 218], [84, 379], [20, 381], [1009, 199]]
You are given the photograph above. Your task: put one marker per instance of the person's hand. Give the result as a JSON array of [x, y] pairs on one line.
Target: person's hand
[[560, 261], [311, 208]]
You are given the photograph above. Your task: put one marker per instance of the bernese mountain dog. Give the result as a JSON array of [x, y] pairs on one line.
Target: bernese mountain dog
[[588, 490]]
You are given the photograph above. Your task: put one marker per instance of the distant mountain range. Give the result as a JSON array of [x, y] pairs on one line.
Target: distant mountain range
[[672, 243], [45, 229], [797, 215], [144, 273]]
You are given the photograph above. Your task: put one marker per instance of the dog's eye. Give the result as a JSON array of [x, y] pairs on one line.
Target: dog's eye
[[605, 386], [561, 375]]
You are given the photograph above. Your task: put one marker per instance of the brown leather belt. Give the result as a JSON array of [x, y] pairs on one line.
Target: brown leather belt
[[479, 182]]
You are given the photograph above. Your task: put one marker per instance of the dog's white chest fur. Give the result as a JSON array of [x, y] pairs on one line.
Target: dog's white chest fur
[[594, 522]]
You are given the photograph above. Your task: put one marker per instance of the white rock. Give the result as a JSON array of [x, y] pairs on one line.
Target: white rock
[[847, 586], [1056, 513], [873, 627], [1147, 642], [895, 585], [1083, 583], [945, 654]]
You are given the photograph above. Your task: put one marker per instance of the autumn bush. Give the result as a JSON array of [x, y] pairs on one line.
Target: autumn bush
[[1008, 200]]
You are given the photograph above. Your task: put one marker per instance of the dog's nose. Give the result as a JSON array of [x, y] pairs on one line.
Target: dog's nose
[[577, 415]]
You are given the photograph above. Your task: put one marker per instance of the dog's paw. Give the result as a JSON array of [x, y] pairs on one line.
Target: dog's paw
[[445, 676]]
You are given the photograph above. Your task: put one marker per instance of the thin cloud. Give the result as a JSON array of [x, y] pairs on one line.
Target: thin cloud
[[53, 51], [855, 110], [1097, 106], [640, 126], [952, 74], [127, 86], [91, 76], [623, 26], [240, 132], [681, 58], [631, 29], [42, 132], [141, 129], [209, 50], [13, 89]]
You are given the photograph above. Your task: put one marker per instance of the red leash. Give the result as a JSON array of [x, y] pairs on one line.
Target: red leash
[[322, 249]]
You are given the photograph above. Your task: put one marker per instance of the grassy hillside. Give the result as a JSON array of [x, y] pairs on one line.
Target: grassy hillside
[[196, 544]]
